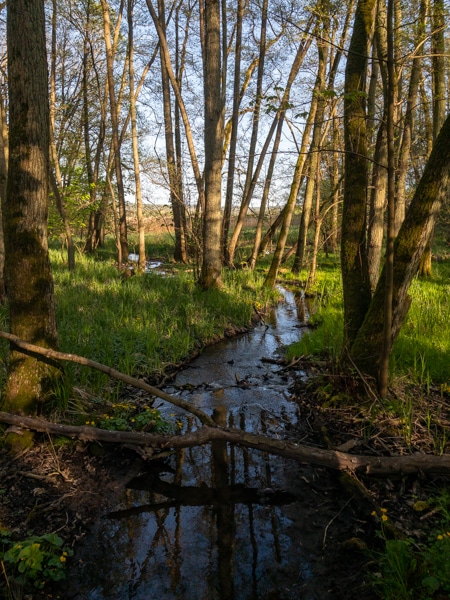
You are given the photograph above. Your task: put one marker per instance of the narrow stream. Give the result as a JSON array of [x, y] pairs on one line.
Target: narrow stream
[[220, 522]]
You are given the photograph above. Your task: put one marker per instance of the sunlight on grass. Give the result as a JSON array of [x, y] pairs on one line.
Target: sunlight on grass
[[143, 323], [423, 346]]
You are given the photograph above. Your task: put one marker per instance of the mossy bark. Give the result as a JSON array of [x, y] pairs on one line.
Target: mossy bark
[[27, 266], [409, 247], [355, 273]]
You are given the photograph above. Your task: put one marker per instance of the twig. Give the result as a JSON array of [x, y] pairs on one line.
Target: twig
[[363, 379], [81, 360], [331, 521]]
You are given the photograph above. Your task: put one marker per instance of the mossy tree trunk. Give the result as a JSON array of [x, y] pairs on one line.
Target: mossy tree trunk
[[409, 247], [27, 266], [355, 274]]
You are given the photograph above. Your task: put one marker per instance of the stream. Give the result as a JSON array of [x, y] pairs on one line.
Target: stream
[[221, 522]]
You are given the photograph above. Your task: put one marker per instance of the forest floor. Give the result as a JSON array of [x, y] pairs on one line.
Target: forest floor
[[65, 487]]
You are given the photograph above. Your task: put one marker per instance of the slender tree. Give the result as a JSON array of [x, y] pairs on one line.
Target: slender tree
[[134, 138], [210, 276], [123, 228]]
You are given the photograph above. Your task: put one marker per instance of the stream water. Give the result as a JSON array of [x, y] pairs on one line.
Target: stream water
[[221, 522]]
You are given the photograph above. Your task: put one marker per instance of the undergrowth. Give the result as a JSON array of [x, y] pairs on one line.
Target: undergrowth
[[407, 569], [142, 324]]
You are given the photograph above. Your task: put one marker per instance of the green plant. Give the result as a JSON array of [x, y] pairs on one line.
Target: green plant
[[125, 416], [436, 567], [34, 561], [408, 570], [397, 567]]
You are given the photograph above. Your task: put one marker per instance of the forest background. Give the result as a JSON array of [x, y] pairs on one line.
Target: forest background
[[331, 110], [322, 126]]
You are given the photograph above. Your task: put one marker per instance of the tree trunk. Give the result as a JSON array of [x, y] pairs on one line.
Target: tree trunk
[[210, 276], [249, 177], [176, 199], [96, 215], [355, 276], [383, 376], [234, 130], [371, 466], [180, 103], [314, 154], [377, 204], [439, 95], [27, 266], [123, 234], [3, 181], [298, 61], [134, 138], [56, 179], [295, 186], [409, 247], [408, 122]]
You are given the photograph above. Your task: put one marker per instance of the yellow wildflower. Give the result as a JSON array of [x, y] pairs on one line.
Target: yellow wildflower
[[62, 558], [384, 518]]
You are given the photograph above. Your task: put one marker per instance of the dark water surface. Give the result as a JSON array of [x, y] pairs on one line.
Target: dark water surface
[[220, 522]]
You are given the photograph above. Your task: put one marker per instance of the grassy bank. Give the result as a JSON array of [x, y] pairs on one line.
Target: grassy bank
[[422, 349], [409, 562], [143, 323]]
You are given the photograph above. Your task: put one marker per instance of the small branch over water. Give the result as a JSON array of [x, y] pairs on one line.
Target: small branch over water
[[333, 459], [209, 432], [28, 348]]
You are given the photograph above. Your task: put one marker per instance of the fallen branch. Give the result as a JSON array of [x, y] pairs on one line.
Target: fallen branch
[[137, 383], [333, 459]]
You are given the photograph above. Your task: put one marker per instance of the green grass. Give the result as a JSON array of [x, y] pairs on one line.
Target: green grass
[[423, 346], [407, 569], [143, 323], [325, 306], [422, 349]]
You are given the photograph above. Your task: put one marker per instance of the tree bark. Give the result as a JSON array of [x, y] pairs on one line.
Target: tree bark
[[383, 376], [27, 266], [211, 271], [3, 180], [123, 234], [409, 247], [134, 138], [439, 95], [176, 199], [373, 466], [355, 276], [234, 129]]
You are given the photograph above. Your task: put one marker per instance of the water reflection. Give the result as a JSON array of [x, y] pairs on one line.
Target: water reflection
[[215, 522]]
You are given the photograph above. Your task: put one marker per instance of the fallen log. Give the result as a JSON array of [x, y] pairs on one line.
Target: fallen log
[[114, 373], [381, 466]]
